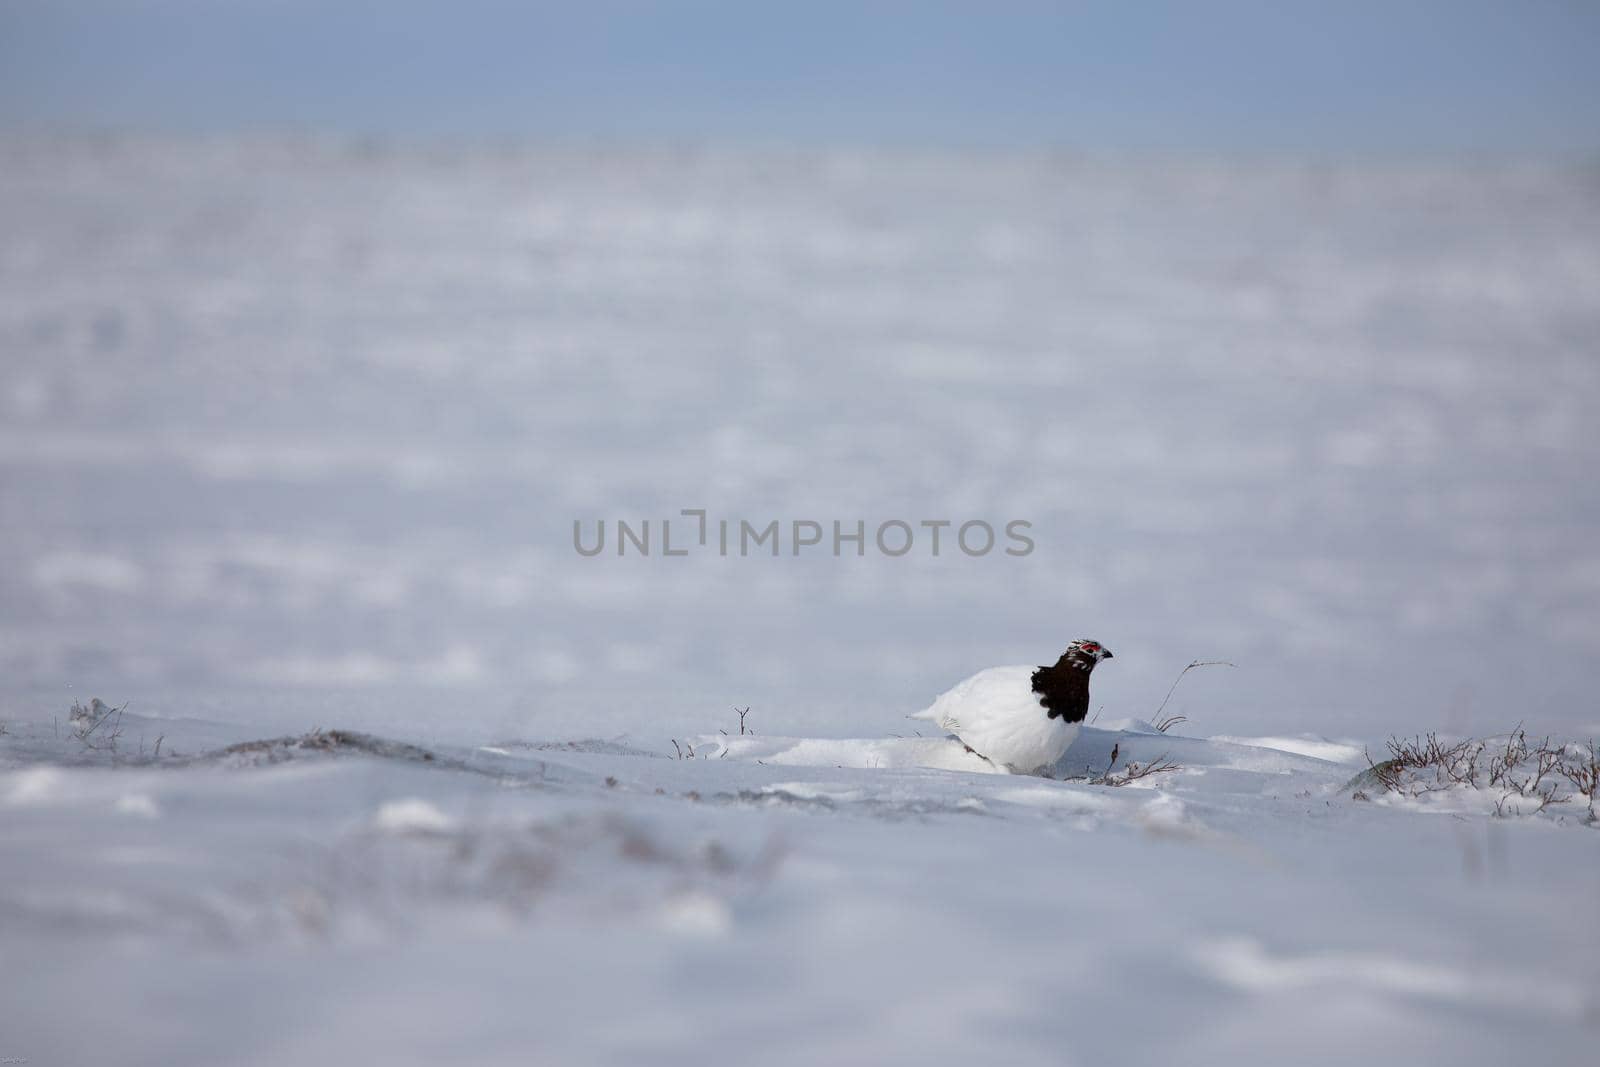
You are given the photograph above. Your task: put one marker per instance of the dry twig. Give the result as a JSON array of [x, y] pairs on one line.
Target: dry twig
[[1177, 719]]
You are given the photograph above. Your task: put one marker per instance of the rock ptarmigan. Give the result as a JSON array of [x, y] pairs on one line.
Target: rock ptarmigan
[[1021, 719]]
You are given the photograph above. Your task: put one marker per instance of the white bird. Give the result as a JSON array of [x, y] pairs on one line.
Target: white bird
[[1021, 719]]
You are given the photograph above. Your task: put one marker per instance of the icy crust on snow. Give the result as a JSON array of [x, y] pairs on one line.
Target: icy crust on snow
[[1306, 745], [889, 899]]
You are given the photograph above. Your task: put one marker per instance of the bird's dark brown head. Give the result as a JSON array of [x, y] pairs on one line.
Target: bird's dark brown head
[[1064, 688], [1083, 654]]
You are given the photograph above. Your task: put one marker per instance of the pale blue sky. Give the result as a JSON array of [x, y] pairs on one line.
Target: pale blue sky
[[1396, 78]]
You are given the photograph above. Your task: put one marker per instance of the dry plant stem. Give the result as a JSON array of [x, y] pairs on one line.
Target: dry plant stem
[[1133, 772], [1583, 774], [1179, 678]]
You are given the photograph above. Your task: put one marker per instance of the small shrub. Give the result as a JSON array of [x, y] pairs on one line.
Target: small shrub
[[1529, 777], [97, 725]]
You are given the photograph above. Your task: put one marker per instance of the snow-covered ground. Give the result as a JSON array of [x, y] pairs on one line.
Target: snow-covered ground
[[316, 899], [293, 434]]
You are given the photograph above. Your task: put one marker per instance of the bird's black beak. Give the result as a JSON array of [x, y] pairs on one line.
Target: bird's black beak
[[1105, 653]]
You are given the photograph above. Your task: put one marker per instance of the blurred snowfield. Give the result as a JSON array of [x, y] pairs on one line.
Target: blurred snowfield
[[293, 433]]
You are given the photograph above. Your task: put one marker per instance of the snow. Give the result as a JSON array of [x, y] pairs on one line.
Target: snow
[[413, 813], [294, 431], [1306, 745], [292, 436], [1245, 964], [882, 899]]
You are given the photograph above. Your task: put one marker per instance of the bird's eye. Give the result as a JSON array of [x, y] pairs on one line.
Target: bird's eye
[[1091, 648]]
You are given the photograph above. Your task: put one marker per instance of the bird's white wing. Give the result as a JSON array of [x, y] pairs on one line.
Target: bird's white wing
[[997, 689]]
